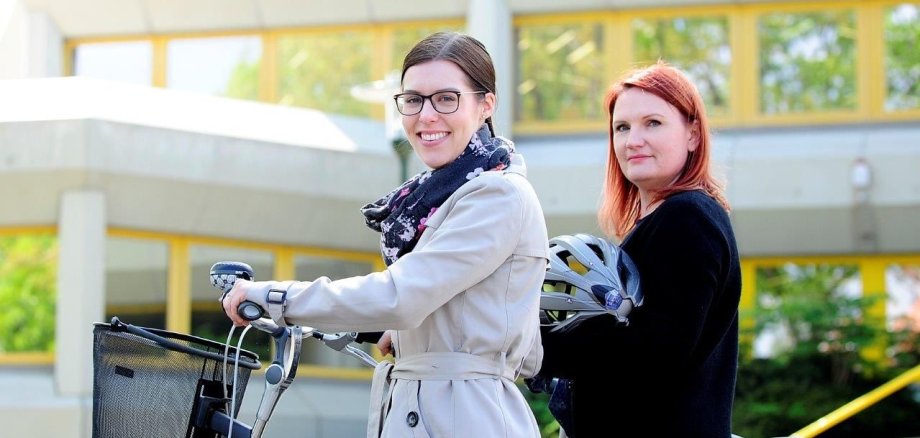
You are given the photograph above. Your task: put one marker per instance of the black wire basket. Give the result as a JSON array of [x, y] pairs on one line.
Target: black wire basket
[[150, 383]]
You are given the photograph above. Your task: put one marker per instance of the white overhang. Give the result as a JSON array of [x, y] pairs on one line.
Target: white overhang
[[190, 164], [84, 18], [183, 163]]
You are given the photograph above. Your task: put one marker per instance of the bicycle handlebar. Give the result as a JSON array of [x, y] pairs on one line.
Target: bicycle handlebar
[[281, 372], [225, 274]]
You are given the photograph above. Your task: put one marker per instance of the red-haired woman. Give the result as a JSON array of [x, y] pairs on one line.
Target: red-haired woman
[[675, 363]]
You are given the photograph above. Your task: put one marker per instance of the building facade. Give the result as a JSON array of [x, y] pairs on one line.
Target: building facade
[[143, 141]]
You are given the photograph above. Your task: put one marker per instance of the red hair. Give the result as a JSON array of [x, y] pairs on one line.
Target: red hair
[[620, 206]]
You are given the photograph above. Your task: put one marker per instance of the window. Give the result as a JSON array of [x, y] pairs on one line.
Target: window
[[903, 305], [560, 72], [903, 312], [697, 46], [405, 38], [803, 307], [135, 281], [28, 278], [807, 62], [130, 61], [227, 66], [318, 70], [902, 59]]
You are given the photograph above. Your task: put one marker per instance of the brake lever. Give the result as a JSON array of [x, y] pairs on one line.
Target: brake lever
[[336, 341], [361, 354]]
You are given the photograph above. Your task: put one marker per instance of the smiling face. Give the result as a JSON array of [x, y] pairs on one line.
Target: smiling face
[[651, 140], [438, 138]]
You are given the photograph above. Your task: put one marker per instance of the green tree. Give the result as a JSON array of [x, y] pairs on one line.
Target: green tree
[[28, 272], [560, 72], [902, 61], [539, 403], [406, 37], [810, 305], [807, 61], [698, 46], [244, 81], [318, 71]]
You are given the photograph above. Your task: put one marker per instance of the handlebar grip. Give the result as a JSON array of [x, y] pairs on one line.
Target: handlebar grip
[[250, 311]]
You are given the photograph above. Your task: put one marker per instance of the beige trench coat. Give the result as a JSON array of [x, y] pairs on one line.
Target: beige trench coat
[[464, 306]]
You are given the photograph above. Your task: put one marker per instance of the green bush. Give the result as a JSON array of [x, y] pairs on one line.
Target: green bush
[[539, 403], [776, 399], [28, 276], [824, 364]]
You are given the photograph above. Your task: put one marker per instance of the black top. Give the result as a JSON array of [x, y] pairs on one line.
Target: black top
[[673, 368]]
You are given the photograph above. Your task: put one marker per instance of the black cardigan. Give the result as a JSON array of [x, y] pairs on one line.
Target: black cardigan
[[673, 368]]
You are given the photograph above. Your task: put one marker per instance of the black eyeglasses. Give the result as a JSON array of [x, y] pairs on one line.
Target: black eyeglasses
[[444, 102]]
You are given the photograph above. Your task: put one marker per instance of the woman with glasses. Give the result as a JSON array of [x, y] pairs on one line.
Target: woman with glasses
[[465, 245]]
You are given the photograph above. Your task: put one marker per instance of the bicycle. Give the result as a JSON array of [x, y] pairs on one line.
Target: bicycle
[[139, 370]]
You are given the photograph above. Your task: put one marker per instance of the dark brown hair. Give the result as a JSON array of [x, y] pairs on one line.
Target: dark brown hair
[[466, 52], [620, 202]]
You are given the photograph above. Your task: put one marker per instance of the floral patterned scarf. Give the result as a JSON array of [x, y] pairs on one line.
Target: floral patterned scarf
[[400, 216]]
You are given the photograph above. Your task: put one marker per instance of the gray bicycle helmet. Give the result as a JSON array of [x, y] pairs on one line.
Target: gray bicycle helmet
[[588, 276]]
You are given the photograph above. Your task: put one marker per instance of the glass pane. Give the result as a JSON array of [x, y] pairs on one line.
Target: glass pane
[[208, 318], [404, 38], [318, 71], [130, 61], [807, 62], [227, 66], [135, 281], [902, 59], [560, 72], [309, 268], [28, 278], [807, 307], [698, 46], [903, 312], [903, 306]]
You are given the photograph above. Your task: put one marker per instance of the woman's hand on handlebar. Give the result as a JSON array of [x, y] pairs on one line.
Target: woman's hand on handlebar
[[385, 344], [232, 300]]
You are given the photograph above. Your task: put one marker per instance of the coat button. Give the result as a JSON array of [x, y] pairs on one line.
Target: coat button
[[412, 419]]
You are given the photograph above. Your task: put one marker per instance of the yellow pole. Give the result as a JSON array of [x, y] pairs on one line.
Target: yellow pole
[[178, 294], [284, 266], [748, 302], [160, 59], [854, 407]]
